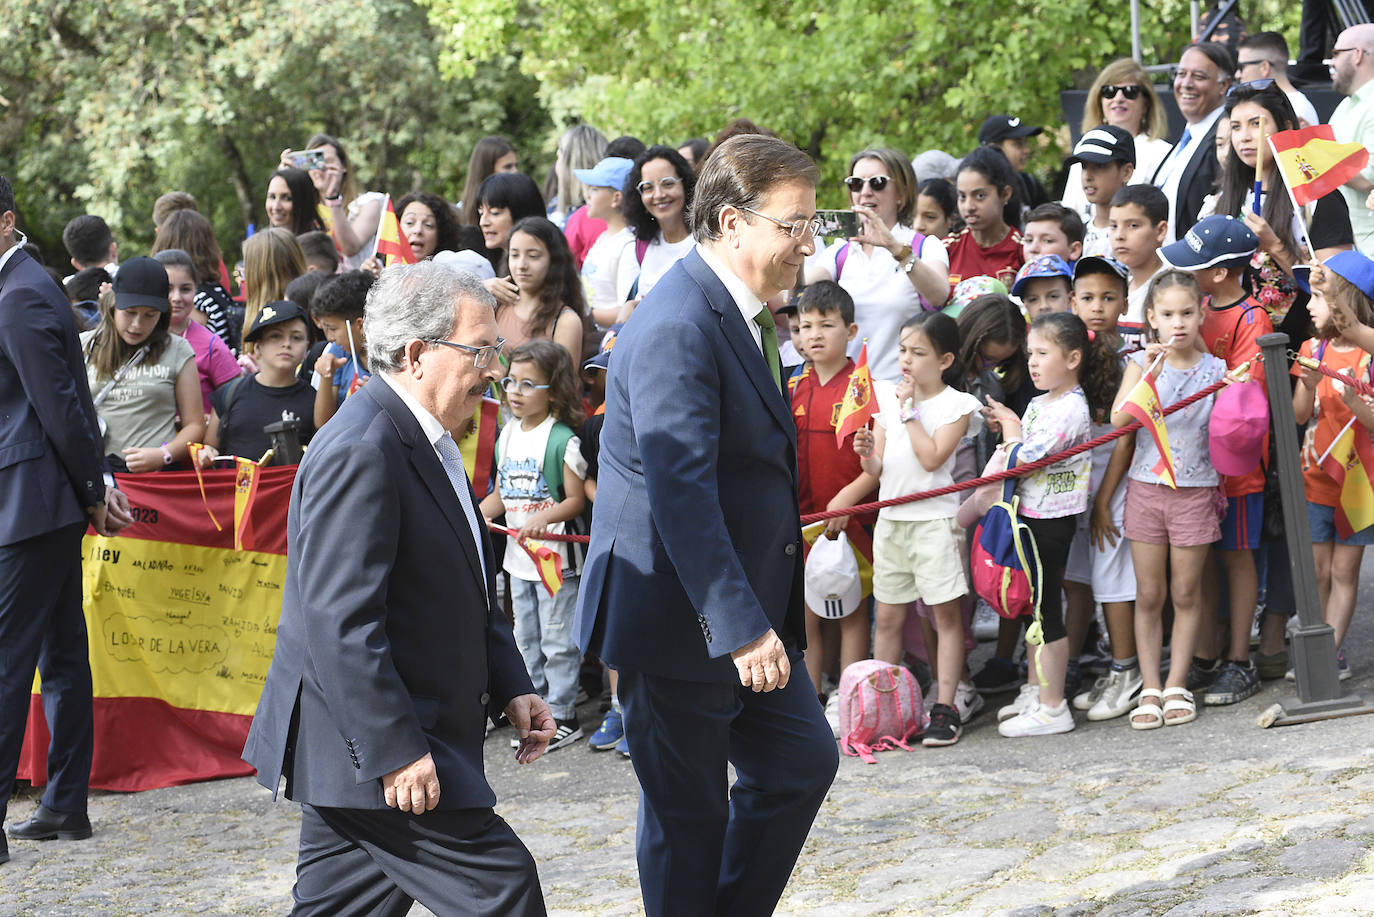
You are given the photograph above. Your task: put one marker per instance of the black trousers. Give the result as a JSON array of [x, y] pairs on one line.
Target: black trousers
[[42, 626], [379, 861]]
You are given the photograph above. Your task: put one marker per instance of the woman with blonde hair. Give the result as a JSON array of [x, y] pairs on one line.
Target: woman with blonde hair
[[272, 258], [581, 147], [1123, 96]]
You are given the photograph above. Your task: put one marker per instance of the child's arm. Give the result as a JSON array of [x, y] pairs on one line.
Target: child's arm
[[326, 398], [868, 446], [1305, 395], [1103, 530], [1357, 404], [934, 451], [851, 494], [491, 505], [570, 507], [1130, 377], [211, 440]]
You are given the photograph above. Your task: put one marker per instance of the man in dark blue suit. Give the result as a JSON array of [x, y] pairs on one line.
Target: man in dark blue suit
[[692, 587], [52, 483], [391, 653]]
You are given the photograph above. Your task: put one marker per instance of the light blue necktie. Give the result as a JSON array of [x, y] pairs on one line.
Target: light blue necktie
[[452, 460]]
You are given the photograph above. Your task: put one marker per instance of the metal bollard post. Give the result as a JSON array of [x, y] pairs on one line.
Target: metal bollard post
[[1313, 648], [286, 442]]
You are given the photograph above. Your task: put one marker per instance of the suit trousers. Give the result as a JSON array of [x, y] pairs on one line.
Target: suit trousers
[[702, 850], [379, 861], [42, 625]]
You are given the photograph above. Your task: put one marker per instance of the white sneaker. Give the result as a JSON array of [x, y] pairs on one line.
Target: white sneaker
[[1030, 694], [1084, 700], [967, 701], [986, 622], [1038, 720], [1118, 697], [832, 712]]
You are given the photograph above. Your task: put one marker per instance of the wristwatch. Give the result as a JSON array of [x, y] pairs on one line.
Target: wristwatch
[[910, 260], [166, 454]]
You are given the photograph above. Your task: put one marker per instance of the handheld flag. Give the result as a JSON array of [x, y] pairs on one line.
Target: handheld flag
[[195, 449], [392, 245], [1313, 164], [858, 406], [245, 490], [547, 561], [1349, 462], [1143, 404]]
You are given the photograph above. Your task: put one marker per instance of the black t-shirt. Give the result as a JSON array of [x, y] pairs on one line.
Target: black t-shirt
[[252, 406], [1331, 223], [590, 438]]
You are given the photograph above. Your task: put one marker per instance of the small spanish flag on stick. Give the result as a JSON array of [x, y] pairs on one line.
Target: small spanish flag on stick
[[1349, 461], [858, 406], [392, 245], [548, 562], [245, 489], [1313, 164], [1143, 404]]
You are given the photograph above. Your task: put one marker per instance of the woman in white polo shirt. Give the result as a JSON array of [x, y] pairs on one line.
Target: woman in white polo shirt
[[890, 270]]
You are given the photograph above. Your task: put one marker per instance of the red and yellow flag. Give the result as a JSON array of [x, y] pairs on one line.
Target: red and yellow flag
[[858, 406], [392, 245], [547, 561], [1143, 404], [1349, 462], [245, 490], [1313, 163]]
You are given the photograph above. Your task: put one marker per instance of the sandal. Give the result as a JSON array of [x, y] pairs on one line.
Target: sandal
[[1149, 706], [1179, 699]]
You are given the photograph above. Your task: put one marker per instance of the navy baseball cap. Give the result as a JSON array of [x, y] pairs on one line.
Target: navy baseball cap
[[1106, 143], [1000, 127], [610, 172], [1213, 240], [1041, 266], [142, 282]]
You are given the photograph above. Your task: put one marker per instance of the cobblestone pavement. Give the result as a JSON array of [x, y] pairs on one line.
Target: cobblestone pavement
[[1215, 817]]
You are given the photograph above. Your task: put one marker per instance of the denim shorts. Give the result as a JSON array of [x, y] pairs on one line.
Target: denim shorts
[[1321, 520]]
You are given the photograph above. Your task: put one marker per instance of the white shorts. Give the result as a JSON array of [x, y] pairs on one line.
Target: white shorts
[[1110, 573], [918, 559]]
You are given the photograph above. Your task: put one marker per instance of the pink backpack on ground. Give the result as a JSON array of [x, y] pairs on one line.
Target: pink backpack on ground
[[880, 709]]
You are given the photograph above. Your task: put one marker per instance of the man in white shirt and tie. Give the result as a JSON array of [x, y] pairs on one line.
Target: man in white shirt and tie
[[1186, 174]]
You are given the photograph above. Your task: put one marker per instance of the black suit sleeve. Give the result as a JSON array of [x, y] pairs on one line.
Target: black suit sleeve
[[35, 340]]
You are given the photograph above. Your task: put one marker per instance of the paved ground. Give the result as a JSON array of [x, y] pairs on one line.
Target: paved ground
[[1216, 817]]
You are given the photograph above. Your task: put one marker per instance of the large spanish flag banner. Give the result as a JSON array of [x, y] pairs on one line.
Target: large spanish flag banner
[[1313, 163], [181, 627], [1349, 462]]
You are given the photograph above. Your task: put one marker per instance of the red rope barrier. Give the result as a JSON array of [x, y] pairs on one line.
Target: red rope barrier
[[1364, 388], [972, 483]]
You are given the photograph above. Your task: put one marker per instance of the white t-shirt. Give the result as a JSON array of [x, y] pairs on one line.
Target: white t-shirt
[[1303, 108], [883, 295], [658, 257], [1096, 240], [902, 471], [520, 478], [599, 268], [1131, 326]]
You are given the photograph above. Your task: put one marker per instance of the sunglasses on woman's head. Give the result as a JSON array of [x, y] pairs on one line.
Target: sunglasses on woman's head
[[1131, 92], [855, 184]]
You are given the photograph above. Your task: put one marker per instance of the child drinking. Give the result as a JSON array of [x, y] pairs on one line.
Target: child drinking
[[542, 395], [1170, 528], [917, 546]]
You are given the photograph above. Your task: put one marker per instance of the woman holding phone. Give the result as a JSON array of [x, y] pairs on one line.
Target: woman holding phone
[[892, 271], [351, 217]]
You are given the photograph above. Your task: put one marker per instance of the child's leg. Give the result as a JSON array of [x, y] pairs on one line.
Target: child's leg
[[1052, 539], [1243, 583], [524, 600], [1051, 661], [1078, 614], [930, 638], [1120, 618], [887, 636], [854, 630], [814, 652], [1345, 583], [830, 641], [1321, 559], [561, 655], [1151, 562], [1186, 585], [893, 587], [949, 625]]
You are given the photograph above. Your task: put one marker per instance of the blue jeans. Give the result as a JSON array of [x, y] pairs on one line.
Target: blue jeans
[[544, 634]]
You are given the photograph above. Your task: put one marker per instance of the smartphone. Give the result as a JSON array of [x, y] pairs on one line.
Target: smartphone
[[838, 223], [310, 160]]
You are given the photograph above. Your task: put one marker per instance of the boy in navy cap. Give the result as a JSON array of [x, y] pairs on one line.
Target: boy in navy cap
[[242, 407], [1217, 250], [1009, 135], [1106, 158], [1044, 285]]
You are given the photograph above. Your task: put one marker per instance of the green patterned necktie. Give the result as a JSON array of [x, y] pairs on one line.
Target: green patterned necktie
[[768, 332]]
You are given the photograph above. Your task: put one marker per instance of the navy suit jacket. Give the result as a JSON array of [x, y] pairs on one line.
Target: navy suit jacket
[[388, 645], [51, 467], [696, 544]]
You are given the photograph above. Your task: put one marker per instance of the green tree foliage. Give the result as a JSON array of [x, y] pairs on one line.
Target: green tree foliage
[[105, 104]]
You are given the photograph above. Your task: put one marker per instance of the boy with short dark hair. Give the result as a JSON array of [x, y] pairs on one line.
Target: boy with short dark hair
[[1052, 229], [828, 473], [337, 308], [1044, 285], [320, 252], [1106, 156], [1217, 251], [89, 243], [240, 408], [1138, 223]]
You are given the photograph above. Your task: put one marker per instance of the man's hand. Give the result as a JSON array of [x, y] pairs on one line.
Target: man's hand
[[533, 721], [413, 788], [763, 663], [117, 515]]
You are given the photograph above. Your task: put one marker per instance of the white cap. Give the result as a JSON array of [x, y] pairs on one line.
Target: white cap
[[469, 261], [831, 579]]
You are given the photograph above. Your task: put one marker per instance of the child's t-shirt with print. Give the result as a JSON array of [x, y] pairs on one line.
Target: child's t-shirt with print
[[969, 259], [1050, 426], [520, 478]]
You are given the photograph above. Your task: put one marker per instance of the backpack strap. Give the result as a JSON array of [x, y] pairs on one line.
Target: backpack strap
[[1009, 485], [231, 389], [641, 246], [841, 257], [554, 454]]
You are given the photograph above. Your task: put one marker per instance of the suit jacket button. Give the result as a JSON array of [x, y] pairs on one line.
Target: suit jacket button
[[486, 698], [790, 549]]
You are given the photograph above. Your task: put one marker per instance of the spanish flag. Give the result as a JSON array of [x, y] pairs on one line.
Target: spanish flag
[[392, 245], [1143, 404], [245, 490], [1349, 462], [547, 561], [1313, 163], [858, 406]]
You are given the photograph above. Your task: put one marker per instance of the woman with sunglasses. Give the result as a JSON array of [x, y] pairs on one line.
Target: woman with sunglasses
[[655, 202], [891, 271], [1123, 96]]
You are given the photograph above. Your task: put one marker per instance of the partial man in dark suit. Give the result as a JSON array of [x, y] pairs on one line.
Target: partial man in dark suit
[[391, 654], [52, 484], [692, 587], [1186, 175]]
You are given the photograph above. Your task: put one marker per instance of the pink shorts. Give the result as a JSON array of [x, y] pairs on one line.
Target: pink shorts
[[1158, 514]]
